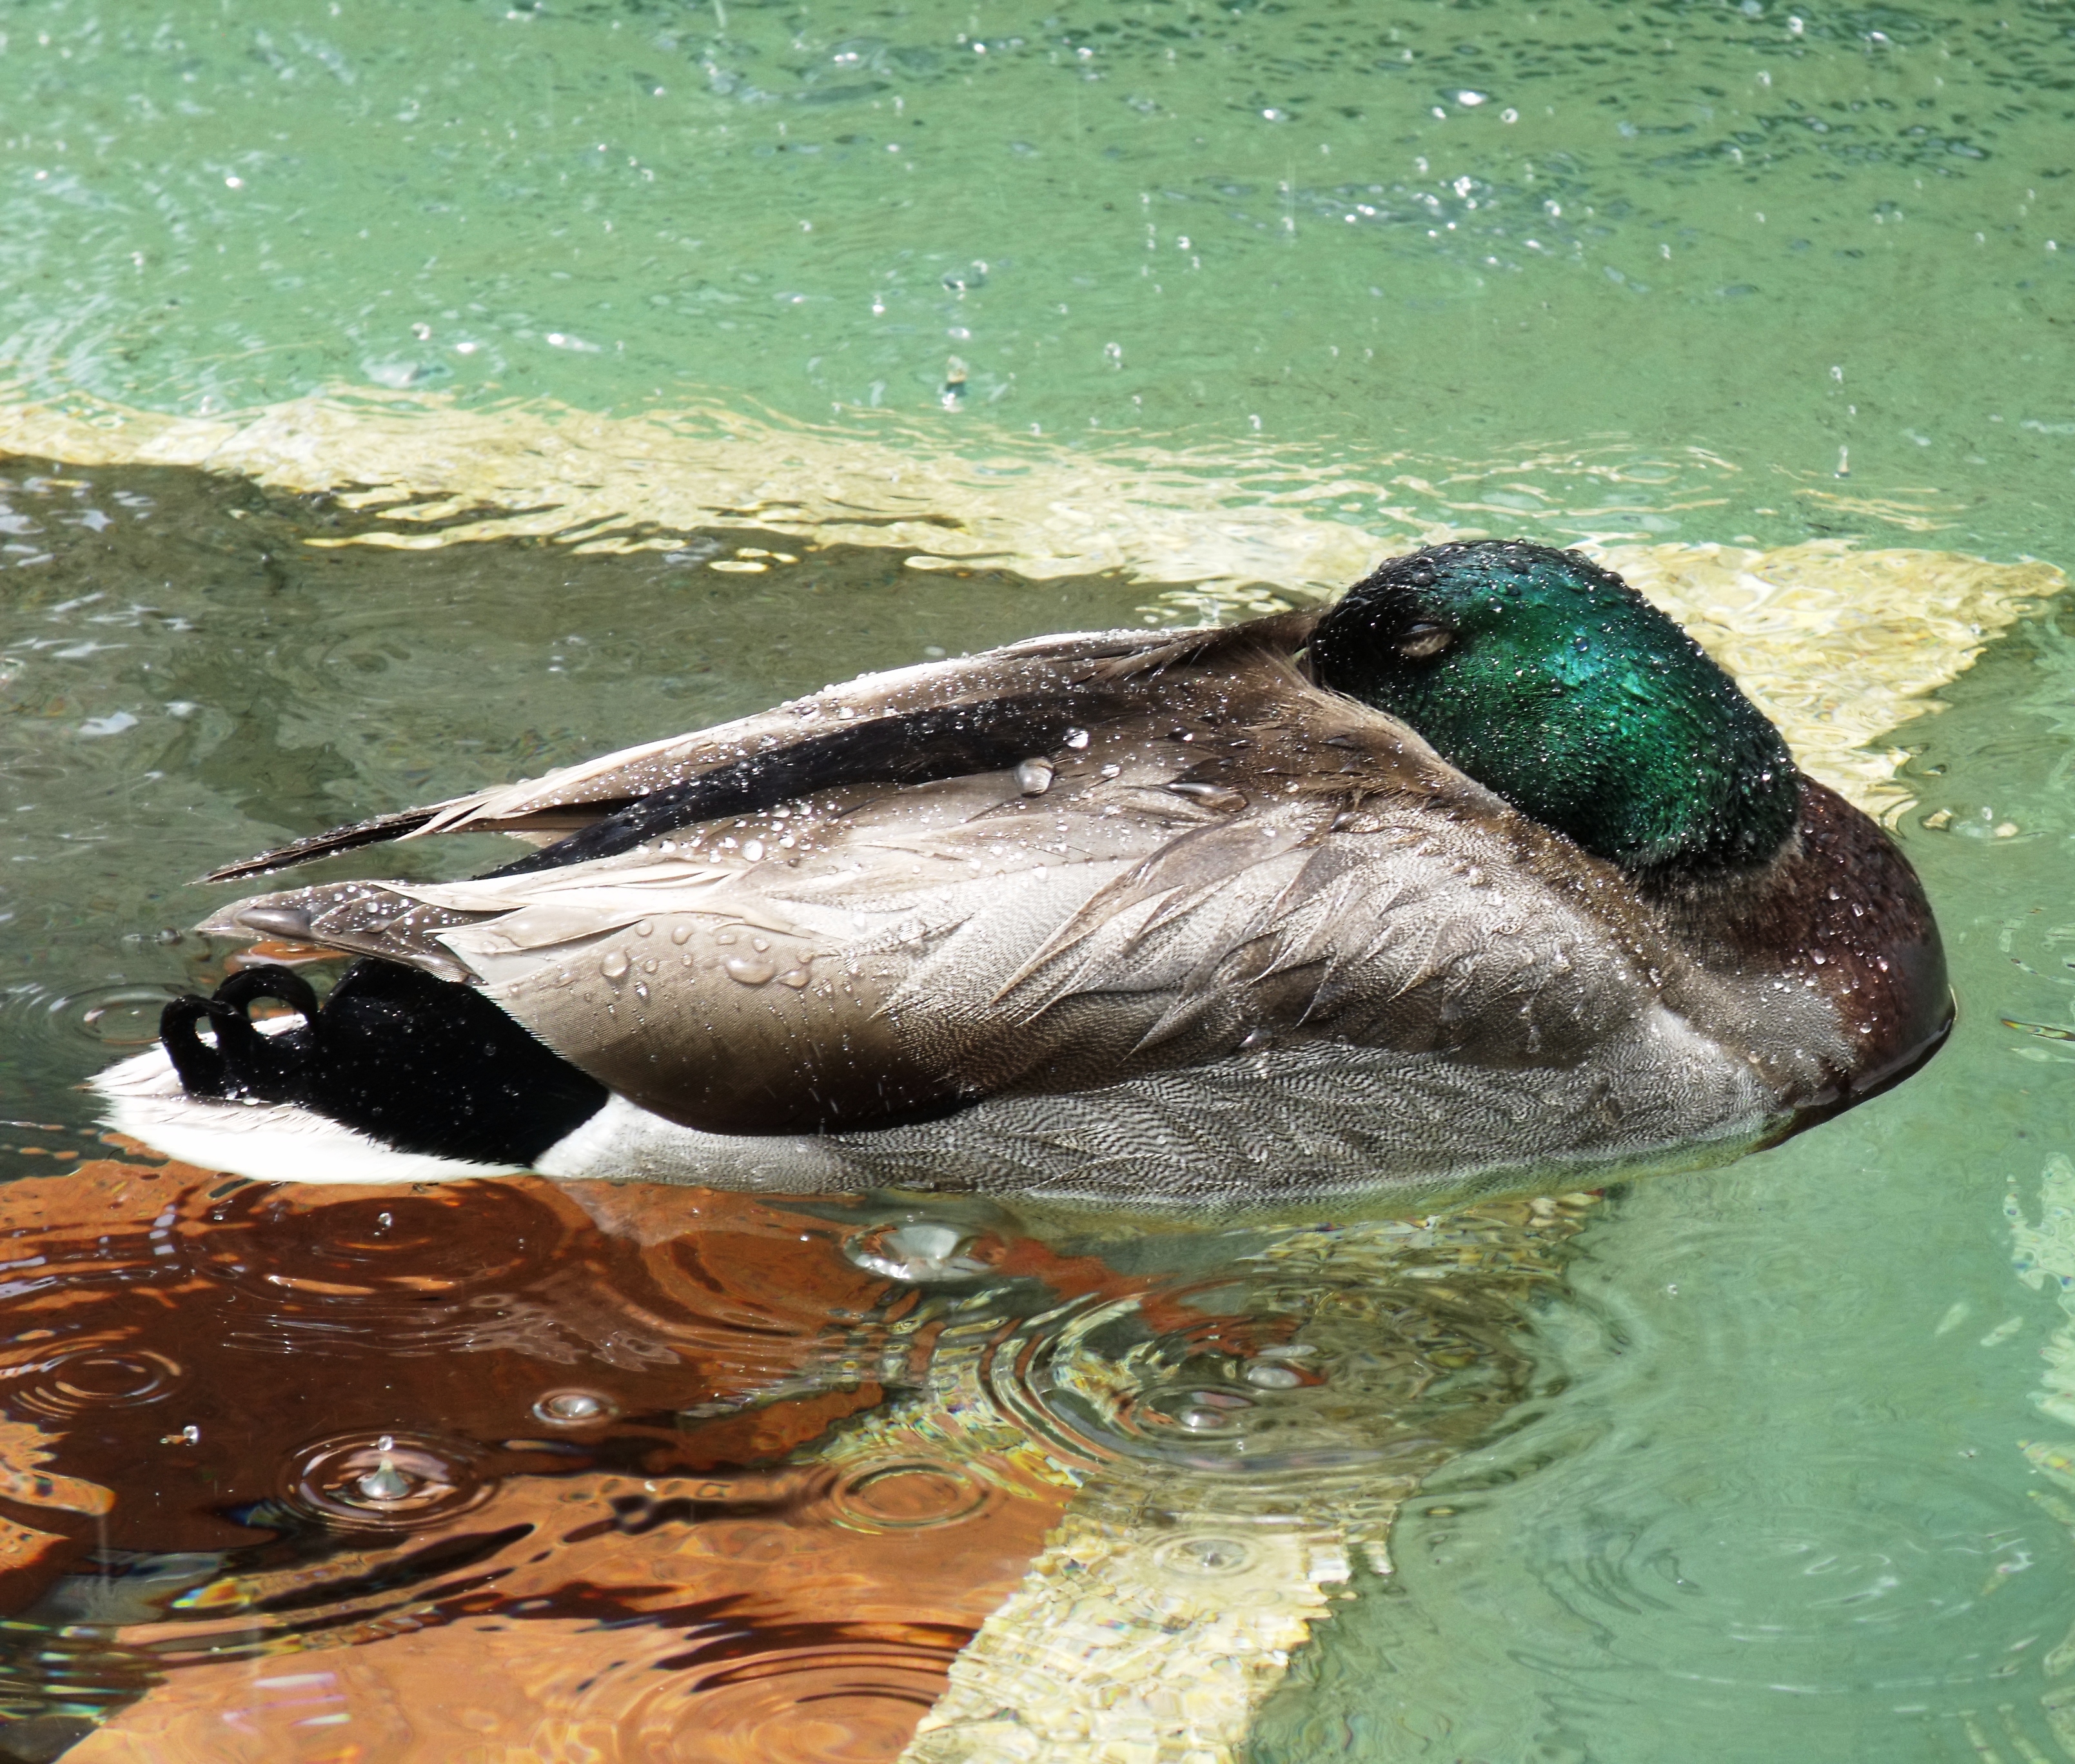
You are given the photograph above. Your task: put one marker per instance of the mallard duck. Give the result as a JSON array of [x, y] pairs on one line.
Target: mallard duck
[[1485, 878]]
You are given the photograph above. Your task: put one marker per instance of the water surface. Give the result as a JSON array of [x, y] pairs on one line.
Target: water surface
[[1773, 1461]]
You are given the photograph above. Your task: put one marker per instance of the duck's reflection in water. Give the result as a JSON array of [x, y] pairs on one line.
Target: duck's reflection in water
[[504, 1470]]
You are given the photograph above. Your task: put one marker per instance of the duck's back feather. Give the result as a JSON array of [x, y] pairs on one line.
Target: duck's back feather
[[907, 726]]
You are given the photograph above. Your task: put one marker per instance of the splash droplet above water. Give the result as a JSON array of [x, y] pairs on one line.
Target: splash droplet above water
[[386, 1480]]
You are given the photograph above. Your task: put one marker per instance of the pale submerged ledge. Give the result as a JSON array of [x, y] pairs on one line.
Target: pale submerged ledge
[[1839, 646]]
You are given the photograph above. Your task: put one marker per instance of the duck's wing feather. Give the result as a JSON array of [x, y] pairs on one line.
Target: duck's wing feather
[[1240, 861], [910, 726]]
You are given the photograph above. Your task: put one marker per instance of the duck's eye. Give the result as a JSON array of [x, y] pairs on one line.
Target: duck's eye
[[1422, 640]]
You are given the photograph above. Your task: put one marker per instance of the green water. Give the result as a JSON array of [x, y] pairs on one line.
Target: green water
[[1715, 243], [1657, 270]]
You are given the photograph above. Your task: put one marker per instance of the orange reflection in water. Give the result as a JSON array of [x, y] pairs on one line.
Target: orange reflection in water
[[495, 1471]]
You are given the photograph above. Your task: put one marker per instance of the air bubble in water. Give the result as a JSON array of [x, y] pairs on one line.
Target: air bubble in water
[[574, 1408], [923, 1251]]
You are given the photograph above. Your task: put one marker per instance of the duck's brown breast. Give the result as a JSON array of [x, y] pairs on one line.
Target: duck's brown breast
[[1843, 913]]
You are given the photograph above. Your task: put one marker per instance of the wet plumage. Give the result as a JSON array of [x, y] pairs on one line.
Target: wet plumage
[[1138, 917]]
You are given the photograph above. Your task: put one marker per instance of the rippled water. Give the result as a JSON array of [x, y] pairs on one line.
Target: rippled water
[[1773, 1461], [1404, 241], [662, 1474], [677, 1451]]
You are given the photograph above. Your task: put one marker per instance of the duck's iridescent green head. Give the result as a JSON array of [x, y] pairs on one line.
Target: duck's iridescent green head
[[1552, 682]]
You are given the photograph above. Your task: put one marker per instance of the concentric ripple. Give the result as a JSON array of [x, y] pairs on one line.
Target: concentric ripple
[[908, 1495], [387, 1481], [1260, 1378], [1847, 1571], [845, 1700], [118, 1016], [352, 1250], [89, 1376]]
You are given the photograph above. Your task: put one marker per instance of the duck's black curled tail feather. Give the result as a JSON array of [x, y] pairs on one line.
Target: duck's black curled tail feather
[[424, 1064], [243, 1062]]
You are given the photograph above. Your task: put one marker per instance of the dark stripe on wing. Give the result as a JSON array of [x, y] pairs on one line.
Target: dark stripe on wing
[[1069, 685], [944, 742], [321, 845]]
